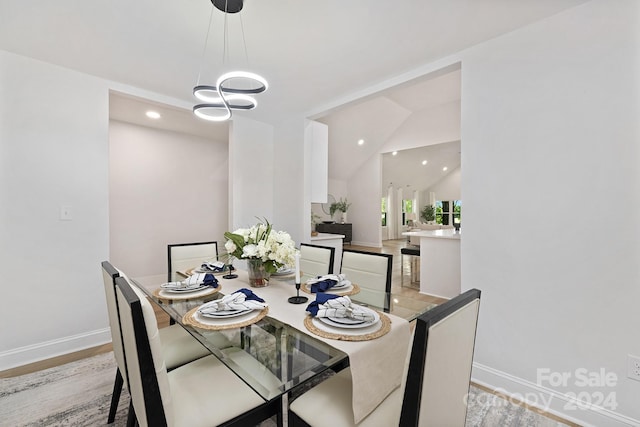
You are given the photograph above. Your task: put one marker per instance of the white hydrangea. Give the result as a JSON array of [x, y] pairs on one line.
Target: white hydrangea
[[276, 248]]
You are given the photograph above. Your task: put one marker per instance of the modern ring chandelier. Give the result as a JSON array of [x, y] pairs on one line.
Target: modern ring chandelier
[[233, 89]]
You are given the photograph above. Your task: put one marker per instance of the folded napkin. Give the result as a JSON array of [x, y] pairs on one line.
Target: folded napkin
[[242, 299], [330, 305], [326, 282], [193, 281], [215, 266]]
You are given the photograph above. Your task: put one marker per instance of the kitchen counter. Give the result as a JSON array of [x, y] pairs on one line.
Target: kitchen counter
[[439, 261], [435, 234]]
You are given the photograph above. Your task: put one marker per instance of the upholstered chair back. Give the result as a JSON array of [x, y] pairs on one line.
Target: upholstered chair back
[[439, 371], [315, 261], [372, 273], [109, 274], [437, 375], [148, 380], [183, 256]]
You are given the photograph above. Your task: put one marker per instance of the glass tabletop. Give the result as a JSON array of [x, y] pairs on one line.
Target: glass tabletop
[[272, 357]]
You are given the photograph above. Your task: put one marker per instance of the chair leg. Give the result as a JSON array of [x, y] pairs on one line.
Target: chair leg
[[296, 421], [401, 269], [115, 396], [132, 421]]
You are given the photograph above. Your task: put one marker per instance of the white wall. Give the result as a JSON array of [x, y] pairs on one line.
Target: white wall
[[448, 188], [164, 187], [550, 132], [251, 172], [364, 196], [53, 139], [291, 197]]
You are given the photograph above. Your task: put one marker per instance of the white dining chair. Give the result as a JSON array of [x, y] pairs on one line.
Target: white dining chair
[[433, 390], [371, 271], [201, 393], [315, 260], [178, 346], [182, 256]]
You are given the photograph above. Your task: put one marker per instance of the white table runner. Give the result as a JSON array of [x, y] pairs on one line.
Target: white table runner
[[366, 358]]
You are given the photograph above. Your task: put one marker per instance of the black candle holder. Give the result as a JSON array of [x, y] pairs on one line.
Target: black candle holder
[[298, 299], [230, 274]]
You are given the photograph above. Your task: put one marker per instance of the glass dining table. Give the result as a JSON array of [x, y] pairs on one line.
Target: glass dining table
[[270, 356]]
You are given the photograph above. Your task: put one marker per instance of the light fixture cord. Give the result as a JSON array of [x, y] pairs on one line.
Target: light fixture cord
[[244, 41], [225, 53], [206, 42]]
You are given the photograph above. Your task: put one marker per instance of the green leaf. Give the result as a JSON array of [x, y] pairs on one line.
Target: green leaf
[[238, 240]]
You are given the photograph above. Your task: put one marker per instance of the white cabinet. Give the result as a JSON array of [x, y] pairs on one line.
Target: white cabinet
[[317, 136]]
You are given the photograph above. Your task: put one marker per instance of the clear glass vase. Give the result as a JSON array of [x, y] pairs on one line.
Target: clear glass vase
[[258, 275]]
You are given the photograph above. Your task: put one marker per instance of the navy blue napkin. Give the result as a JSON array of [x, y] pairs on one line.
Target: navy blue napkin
[[320, 299], [323, 286], [249, 295], [210, 280]]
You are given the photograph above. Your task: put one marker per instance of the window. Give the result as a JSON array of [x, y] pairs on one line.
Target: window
[[439, 212], [449, 212], [457, 210], [407, 206], [383, 210]]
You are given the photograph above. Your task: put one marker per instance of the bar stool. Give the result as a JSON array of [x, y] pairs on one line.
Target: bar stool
[[409, 251]]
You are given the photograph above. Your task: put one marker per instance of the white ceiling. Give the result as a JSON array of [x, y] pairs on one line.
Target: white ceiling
[[313, 53], [131, 109], [406, 170]]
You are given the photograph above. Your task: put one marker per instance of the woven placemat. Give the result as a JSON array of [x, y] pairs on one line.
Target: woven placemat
[[190, 319], [356, 289], [385, 327], [186, 295]]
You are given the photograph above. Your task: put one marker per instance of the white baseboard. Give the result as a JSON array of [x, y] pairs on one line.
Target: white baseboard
[[48, 349], [551, 401], [433, 295], [370, 244]]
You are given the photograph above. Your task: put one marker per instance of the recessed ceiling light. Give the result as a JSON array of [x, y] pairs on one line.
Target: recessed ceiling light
[[394, 153], [424, 162], [153, 114], [445, 168], [360, 141]]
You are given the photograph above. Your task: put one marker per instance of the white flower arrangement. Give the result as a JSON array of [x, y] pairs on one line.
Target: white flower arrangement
[[274, 248]]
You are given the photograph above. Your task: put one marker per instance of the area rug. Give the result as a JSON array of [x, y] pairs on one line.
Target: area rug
[[79, 394]]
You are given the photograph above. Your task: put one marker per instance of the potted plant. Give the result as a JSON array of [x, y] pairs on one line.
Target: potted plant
[[314, 220], [342, 206], [428, 214]]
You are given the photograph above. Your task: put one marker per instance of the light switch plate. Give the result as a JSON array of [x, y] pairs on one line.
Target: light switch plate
[[65, 213]]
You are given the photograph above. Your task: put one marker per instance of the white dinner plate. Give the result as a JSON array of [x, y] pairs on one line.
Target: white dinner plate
[[201, 270], [346, 323], [344, 284], [344, 320], [223, 314], [185, 289], [283, 272]]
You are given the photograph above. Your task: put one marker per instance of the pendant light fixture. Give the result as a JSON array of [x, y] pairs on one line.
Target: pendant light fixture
[[233, 90]]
